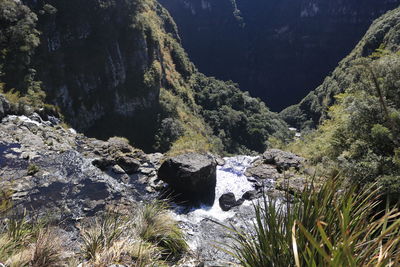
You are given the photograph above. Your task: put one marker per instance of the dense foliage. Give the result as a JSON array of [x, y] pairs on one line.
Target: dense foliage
[[242, 122], [357, 109], [18, 40], [322, 228], [361, 138]]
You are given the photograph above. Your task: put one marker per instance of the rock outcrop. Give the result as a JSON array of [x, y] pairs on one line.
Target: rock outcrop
[[192, 177], [282, 160], [277, 171], [273, 162], [50, 170]]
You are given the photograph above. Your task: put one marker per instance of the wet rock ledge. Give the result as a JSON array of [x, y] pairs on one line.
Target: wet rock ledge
[[53, 170]]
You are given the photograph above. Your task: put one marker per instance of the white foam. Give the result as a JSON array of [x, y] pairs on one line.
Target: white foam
[[230, 178], [24, 119]]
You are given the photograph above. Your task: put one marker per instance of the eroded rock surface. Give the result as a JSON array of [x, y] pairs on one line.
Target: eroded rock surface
[[54, 170], [283, 160]]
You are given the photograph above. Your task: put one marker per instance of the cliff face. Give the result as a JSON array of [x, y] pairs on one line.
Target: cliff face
[[102, 60], [117, 68], [278, 50], [383, 34]]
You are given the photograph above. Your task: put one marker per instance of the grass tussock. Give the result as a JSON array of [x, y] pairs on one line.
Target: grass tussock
[[26, 242], [333, 226], [47, 250], [155, 225], [5, 200], [149, 237]]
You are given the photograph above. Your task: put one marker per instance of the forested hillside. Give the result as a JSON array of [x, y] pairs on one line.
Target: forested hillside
[[117, 68], [357, 112]]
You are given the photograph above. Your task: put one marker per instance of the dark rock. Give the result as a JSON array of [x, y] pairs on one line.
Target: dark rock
[[263, 171], [4, 107], [240, 201], [102, 163], [191, 176], [282, 160], [227, 201], [128, 164], [250, 195], [70, 183]]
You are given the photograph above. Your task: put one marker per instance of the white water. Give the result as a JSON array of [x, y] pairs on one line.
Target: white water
[[230, 178]]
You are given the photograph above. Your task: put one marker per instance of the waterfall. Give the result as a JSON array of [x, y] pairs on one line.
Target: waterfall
[[230, 178], [203, 234]]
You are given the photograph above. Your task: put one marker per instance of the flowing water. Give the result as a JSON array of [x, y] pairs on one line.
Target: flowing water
[[201, 224], [230, 178]]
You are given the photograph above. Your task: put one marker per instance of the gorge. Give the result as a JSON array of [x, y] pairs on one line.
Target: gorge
[[117, 150], [277, 50]]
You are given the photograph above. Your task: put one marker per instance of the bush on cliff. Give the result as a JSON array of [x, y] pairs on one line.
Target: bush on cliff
[[361, 136]]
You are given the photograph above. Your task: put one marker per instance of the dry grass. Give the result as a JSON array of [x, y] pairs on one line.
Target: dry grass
[[26, 243], [147, 238], [155, 225], [47, 250]]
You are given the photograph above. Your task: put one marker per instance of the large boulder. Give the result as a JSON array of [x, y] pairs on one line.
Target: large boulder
[[191, 176]]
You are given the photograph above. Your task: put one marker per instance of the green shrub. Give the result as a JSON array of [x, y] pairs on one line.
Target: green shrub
[[361, 136], [156, 226], [32, 169], [243, 123]]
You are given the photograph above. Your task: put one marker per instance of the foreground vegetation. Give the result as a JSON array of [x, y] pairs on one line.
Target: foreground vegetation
[[335, 225], [149, 237]]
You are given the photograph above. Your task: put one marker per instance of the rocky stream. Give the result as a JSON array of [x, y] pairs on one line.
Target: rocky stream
[[52, 170]]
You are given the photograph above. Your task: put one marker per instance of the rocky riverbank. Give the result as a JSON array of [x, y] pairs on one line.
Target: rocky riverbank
[[52, 171]]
